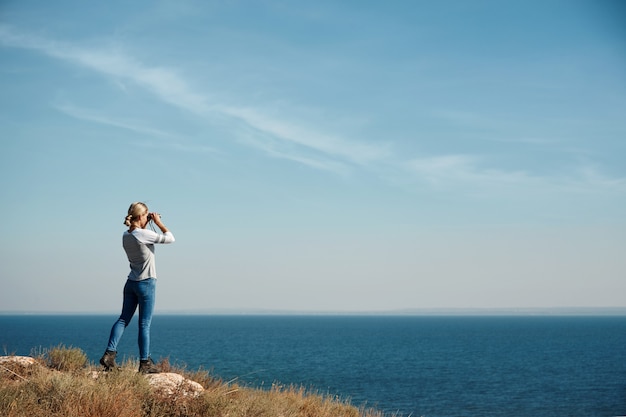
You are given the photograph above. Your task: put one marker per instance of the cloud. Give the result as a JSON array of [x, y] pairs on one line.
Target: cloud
[[93, 116], [162, 82], [325, 165], [283, 137], [171, 88], [462, 170], [470, 173], [348, 150], [273, 149], [171, 141], [591, 177]]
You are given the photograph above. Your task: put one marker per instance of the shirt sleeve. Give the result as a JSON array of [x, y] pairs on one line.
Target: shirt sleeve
[[149, 237]]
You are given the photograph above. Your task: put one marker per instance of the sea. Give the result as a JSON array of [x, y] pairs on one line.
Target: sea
[[401, 365]]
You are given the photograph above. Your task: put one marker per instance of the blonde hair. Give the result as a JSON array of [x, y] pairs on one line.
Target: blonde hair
[[134, 211]]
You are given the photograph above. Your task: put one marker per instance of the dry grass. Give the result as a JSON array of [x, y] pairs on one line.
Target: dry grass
[[67, 359], [62, 385]]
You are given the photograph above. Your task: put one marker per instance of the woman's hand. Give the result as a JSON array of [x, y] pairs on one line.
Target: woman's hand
[[156, 218]]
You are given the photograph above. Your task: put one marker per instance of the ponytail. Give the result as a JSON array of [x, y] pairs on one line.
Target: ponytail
[[134, 211]]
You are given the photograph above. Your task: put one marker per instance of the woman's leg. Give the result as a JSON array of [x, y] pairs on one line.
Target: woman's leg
[[129, 306], [146, 293]]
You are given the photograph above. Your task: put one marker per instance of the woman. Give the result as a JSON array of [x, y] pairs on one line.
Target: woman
[[139, 290]]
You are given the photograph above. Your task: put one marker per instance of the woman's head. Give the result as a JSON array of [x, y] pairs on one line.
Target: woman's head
[[135, 211]]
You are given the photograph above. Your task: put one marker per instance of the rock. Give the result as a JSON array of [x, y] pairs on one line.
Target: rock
[[17, 367], [19, 360], [95, 374], [169, 383]]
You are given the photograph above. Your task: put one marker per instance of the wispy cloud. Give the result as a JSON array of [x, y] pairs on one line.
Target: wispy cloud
[[355, 152], [323, 164], [170, 140], [171, 88], [591, 176], [463, 170], [284, 137], [497, 126], [162, 82], [471, 173], [97, 117]]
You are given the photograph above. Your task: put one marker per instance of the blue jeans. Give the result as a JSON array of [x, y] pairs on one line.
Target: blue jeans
[[142, 294]]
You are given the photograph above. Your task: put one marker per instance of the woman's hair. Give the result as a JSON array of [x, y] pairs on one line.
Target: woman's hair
[[134, 211]]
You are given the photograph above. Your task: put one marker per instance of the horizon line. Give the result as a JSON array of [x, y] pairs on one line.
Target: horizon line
[[439, 311]]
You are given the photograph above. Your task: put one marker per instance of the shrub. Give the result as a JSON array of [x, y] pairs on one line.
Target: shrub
[[66, 359]]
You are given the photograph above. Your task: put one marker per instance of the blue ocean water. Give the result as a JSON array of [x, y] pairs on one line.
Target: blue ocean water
[[413, 365]]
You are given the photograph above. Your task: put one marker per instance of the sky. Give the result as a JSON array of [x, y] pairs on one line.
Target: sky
[[328, 156]]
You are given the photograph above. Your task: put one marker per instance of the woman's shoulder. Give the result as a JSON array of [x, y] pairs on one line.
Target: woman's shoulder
[[145, 236], [140, 232]]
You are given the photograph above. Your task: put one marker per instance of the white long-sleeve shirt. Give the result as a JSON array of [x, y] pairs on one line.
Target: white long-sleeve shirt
[[139, 247]]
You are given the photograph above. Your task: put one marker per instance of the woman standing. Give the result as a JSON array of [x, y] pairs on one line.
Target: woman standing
[[139, 290]]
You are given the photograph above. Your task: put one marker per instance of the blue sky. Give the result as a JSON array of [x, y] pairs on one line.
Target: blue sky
[[333, 156]]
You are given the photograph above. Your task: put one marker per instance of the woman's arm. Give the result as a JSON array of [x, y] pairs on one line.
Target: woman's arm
[[149, 237], [156, 218]]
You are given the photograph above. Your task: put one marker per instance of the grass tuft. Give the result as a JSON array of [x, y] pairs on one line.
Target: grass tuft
[[67, 359]]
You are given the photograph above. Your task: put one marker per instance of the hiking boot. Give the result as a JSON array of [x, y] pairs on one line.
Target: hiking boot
[[108, 360], [148, 367]]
